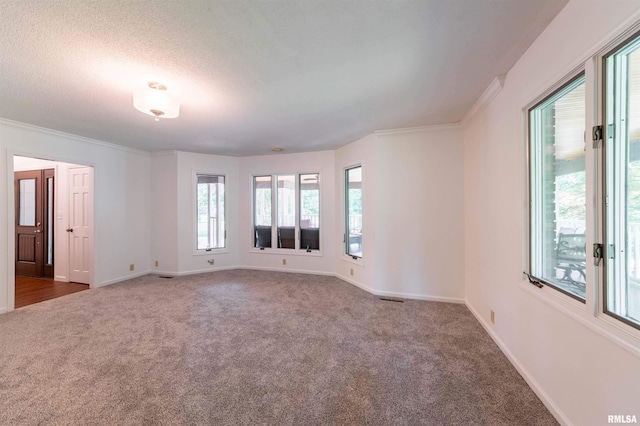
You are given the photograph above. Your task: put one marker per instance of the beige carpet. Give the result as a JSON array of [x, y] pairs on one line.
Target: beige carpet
[[250, 347]]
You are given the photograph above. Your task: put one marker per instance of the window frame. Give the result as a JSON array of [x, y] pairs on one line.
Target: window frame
[[345, 216], [274, 249], [194, 215], [571, 79], [299, 211], [625, 43], [590, 315]]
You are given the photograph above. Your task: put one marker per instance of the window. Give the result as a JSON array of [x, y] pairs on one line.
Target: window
[[310, 211], [295, 211], [622, 183], [286, 211], [560, 176], [353, 210], [557, 188], [210, 220], [262, 210]]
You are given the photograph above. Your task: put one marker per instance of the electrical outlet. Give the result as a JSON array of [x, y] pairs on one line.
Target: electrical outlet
[[493, 317], [351, 271], [131, 267], [284, 261], [211, 261], [156, 263]]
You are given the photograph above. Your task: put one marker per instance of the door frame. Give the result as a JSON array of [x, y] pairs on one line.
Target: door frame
[[10, 218], [49, 269]]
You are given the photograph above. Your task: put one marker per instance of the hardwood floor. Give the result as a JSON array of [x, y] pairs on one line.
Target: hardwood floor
[[31, 290]]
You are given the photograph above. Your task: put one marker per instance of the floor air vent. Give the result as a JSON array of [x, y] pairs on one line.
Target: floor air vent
[[391, 299], [165, 276]]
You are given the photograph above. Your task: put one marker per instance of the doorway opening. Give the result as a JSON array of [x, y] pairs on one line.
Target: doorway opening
[[53, 229]]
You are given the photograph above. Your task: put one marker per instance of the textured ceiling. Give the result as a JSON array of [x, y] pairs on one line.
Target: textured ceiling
[[299, 74]]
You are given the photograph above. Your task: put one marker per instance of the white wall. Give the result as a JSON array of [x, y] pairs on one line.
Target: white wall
[[419, 216], [122, 214], [164, 212], [61, 208], [582, 368], [413, 222], [300, 260], [121, 204]]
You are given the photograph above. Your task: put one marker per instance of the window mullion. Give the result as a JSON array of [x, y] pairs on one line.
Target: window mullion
[[296, 211], [274, 211], [620, 145], [208, 185]]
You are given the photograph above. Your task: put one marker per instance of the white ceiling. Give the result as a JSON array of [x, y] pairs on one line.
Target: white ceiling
[[299, 74]]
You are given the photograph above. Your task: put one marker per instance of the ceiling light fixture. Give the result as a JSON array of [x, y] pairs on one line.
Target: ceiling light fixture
[[277, 149], [155, 101]]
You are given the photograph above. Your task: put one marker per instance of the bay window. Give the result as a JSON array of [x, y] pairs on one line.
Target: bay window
[[295, 210]]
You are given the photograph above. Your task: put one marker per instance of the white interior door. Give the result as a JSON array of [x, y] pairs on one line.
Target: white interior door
[[80, 224]]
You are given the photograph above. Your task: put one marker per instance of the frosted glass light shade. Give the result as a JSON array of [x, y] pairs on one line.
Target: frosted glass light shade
[[154, 100]]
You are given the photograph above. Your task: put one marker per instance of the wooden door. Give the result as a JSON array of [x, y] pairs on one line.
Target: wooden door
[[34, 195], [29, 226], [80, 224]]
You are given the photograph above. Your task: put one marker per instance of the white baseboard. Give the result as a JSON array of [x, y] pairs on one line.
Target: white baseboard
[[400, 295], [354, 282], [192, 272], [120, 279], [4, 310], [533, 384], [168, 273], [293, 271], [228, 268], [420, 297]]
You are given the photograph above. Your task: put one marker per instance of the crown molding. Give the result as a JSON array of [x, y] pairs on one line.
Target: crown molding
[[164, 153], [71, 136], [487, 96], [434, 128]]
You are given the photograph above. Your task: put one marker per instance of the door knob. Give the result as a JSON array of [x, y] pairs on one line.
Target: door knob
[[37, 231], [69, 229]]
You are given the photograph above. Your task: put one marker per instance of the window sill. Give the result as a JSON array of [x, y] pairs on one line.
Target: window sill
[[349, 259], [615, 331], [210, 253], [292, 252]]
